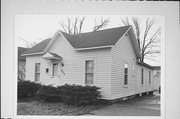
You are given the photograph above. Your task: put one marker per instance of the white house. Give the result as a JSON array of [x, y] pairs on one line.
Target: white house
[[108, 59]]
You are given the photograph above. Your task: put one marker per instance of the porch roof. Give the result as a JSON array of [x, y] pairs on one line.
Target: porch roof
[[51, 56]]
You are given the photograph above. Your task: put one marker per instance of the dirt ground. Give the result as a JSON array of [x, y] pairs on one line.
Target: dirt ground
[[45, 108], [147, 105]]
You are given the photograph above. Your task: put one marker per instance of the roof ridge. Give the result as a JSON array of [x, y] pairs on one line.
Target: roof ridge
[[96, 31]]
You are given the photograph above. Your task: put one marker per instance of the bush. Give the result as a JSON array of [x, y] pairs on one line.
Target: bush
[[49, 94], [70, 94], [79, 95], [27, 89]]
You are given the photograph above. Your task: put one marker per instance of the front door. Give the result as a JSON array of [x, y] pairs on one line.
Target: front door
[[55, 73]]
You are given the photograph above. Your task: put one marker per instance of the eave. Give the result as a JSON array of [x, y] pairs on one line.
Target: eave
[[29, 54], [89, 48]]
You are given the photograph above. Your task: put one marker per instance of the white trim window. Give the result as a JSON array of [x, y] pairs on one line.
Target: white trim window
[[125, 73], [89, 72], [55, 69], [37, 72], [142, 76], [149, 77]]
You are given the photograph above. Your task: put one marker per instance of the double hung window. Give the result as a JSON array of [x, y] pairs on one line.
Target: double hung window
[[125, 74], [37, 72], [89, 72]]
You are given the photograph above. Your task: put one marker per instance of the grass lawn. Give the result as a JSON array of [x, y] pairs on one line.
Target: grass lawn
[[45, 108]]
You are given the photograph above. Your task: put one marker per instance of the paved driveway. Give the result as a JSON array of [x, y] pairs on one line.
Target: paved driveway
[[148, 105]]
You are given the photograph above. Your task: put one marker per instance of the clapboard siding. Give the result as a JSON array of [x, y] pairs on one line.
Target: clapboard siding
[[146, 86], [122, 52], [30, 69], [74, 65]]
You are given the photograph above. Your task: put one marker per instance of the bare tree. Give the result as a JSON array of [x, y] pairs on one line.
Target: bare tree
[[75, 26], [31, 44], [103, 23], [28, 44], [148, 41], [72, 26]]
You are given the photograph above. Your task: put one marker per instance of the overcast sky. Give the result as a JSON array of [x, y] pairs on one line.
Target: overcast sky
[[35, 28]]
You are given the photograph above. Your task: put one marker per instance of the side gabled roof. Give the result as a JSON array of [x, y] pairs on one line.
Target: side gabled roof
[[105, 37], [102, 38], [38, 48]]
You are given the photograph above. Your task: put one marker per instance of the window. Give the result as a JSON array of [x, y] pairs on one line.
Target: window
[[37, 72], [89, 72], [55, 69], [142, 76], [125, 74], [149, 77]]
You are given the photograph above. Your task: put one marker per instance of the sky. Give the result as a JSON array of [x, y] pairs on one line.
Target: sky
[[35, 28]]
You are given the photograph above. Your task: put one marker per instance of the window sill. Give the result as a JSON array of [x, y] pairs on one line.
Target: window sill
[[125, 86]]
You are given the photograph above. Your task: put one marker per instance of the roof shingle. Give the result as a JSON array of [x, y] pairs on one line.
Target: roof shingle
[[97, 38], [39, 47]]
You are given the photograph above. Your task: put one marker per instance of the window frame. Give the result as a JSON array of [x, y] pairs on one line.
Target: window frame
[[150, 77], [126, 76], [93, 73], [52, 72], [142, 76], [35, 72]]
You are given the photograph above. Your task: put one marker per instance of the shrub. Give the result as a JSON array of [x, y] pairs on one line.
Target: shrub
[[104, 102], [49, 94], [27, 89], [70, 94], [79, 95]]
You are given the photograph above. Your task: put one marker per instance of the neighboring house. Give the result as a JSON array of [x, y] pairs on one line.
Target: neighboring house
[[108, 59], [21, 64], [157, 77]]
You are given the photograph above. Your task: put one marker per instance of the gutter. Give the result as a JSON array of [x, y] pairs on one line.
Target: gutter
[[37, 53], [108, 46]]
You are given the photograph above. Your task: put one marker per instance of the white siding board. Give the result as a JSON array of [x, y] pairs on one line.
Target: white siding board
[[146, 86], [30, 68], [123, 51], [74, 66]]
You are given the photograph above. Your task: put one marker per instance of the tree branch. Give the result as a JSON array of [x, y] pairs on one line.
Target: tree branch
[[102, 24], [81, 24]]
